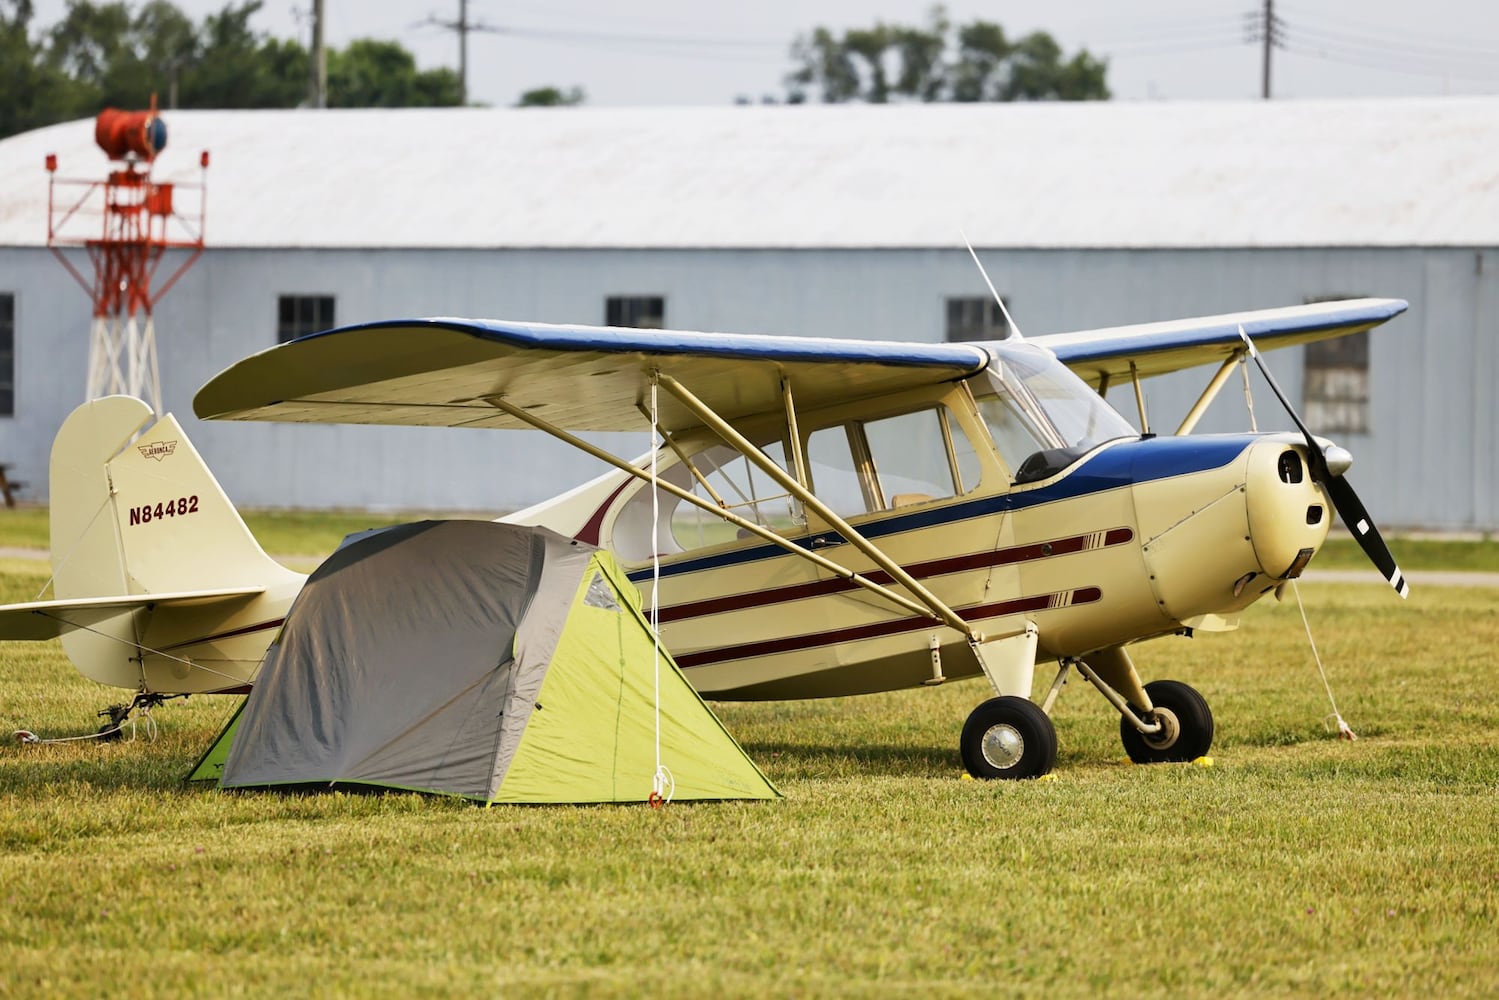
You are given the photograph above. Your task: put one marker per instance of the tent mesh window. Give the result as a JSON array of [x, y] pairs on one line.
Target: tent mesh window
[[600, 594]]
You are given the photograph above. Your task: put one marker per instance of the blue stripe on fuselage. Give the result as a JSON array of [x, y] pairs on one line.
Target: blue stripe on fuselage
[[1112, 467]]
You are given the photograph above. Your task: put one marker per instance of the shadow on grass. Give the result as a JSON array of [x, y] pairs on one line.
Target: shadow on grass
[[841, 760], [29, 770]]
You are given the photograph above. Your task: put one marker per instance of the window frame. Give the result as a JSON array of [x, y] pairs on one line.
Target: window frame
[[288, 330], [1327, 364], [993, 326], [626, 310], [8, 368]]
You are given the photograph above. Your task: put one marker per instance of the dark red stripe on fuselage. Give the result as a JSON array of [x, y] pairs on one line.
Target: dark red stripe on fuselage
[[936, 567], [245, 630], [789, 644]]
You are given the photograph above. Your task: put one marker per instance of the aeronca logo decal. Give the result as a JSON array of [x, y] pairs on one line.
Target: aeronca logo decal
[[157, 450], [921, 571], [875, 630]]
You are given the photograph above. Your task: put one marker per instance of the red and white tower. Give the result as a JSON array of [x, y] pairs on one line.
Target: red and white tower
[[126, 222]]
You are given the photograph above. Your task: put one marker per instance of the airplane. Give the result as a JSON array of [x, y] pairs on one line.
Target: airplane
[[815, 517]]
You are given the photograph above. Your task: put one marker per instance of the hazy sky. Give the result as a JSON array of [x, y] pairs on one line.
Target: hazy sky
[[677, 52]]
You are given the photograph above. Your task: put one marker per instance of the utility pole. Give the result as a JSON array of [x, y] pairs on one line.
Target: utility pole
[[1269, 40], [462, 53], [462, 26], [317, 84]]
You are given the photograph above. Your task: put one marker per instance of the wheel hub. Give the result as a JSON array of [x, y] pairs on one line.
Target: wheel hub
[[1003, 746], [1170, 731]]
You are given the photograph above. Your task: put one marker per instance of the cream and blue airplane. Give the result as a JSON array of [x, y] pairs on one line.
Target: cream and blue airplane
[[816, 517]]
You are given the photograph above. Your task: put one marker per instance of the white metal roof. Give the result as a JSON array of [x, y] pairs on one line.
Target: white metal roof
[[1418, 172]]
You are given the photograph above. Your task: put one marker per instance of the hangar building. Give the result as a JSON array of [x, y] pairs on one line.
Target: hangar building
[[836, 221]]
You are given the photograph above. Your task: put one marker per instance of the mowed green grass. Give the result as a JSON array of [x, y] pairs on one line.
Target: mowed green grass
[[1296, 864]]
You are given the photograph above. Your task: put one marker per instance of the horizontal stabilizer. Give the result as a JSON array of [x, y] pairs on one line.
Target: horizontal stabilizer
[[49, 619]]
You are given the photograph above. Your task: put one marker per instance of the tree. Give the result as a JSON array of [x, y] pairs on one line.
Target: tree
[[975, 62], [32, 93], [238, 68], [118, 54], [551, 97], [375, 74]]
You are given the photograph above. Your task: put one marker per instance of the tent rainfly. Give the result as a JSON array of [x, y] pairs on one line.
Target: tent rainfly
[[490, 661]]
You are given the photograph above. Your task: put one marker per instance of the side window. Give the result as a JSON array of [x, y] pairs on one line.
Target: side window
[[866, 466], [298, 315], [1335, 389], [976, 319], [641, 311], [739, 485], [7, 355], [743, 488]]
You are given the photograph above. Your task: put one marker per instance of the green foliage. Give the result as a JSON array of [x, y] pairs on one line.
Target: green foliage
[[117, 54], [972, 62], [375, 74], [1296, 865], [552, 97]]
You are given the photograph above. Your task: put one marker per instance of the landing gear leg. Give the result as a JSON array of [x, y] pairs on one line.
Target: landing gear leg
[[118, 715], [1159, 722], [1186, 731]]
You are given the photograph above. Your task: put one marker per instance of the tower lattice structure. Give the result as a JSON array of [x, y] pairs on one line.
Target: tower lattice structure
[[125, 223]]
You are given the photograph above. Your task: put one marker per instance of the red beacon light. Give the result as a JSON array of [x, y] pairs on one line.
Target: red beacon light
[[130, 134]]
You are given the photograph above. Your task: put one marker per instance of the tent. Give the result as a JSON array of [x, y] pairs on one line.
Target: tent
[[496, 662]]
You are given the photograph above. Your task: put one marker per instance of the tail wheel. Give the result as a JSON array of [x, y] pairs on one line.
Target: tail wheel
[[1008, 738], [1186, 726]]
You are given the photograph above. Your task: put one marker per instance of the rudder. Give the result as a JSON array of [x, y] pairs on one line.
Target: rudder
[[142, 516]]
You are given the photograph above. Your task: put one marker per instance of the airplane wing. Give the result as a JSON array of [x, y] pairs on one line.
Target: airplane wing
[[1158, 348], [49, 619], [440, 372]]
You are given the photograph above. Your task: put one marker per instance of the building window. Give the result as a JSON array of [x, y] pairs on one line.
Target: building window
[[975, 319], [1335, 387], [647, 312], [299, 315], [7, 355]]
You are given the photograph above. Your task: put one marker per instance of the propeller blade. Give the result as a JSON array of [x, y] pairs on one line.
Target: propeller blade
[[1311, 443], [1344, 499], [1357, 520]]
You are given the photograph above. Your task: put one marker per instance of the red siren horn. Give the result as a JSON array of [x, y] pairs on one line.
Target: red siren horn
[[123, 134]]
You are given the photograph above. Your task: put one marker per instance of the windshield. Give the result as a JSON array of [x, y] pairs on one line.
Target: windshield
[[1033, 403]]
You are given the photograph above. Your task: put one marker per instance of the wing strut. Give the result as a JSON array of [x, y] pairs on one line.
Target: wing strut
[[1210, 393], [753, 528], [936, 607]]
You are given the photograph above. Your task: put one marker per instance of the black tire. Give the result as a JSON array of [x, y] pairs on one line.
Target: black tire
[[1008, 738], [1187, 722]]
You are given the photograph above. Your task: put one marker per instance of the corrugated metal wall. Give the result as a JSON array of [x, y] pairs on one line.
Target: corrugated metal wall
[[1427, 462]]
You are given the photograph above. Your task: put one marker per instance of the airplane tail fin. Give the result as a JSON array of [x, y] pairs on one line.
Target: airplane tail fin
[[146, 516]]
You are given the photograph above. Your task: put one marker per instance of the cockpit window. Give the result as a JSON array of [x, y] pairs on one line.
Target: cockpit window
[[728, 480], [1033, 404]]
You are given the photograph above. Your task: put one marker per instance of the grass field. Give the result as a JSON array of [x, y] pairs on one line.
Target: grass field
[[1297, 864]]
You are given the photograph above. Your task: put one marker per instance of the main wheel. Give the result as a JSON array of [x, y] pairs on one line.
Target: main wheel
[[1186, 726], [1008, 738]]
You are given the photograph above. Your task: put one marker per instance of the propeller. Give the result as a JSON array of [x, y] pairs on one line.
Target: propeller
[[1327, 468]]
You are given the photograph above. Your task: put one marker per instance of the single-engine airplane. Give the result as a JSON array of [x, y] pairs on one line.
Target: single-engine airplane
[[816, 517]]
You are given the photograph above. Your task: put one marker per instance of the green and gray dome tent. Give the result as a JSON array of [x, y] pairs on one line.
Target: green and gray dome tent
[[491, 661]]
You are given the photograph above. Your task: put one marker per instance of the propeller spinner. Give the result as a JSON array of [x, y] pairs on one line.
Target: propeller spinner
[[1327, 468]]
